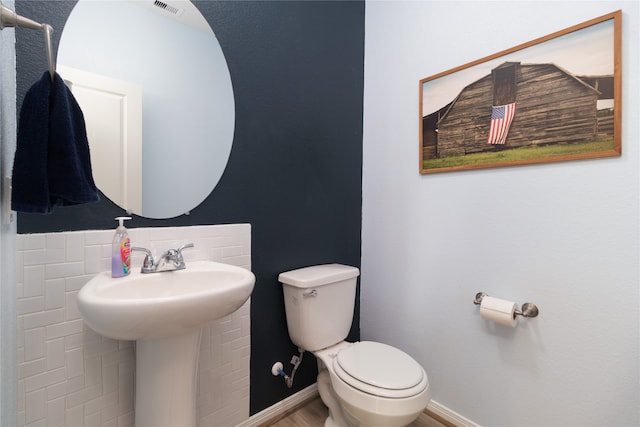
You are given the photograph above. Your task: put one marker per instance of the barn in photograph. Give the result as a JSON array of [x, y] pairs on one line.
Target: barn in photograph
[[519, 105]]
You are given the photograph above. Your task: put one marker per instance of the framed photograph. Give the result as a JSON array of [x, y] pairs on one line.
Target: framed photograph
[[556, 98]]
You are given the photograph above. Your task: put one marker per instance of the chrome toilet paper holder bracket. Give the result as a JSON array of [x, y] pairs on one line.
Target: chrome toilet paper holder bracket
[[528, 309]]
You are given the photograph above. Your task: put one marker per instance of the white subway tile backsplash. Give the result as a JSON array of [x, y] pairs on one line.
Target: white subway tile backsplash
[[54, 294], [75, 340], [232, 251], [55, 353], [77, 398], [44, 379], [33, 281], [43, 318], [20, 401], [38, 423], [35, 406], [63, 329], [74, 247], [30, 368], [100, 347], [30, 305], [110, 380], [126, 420], [55, 241], [74, 362], [92, 419], [74, 384], [55, 412], [92, 370], [34, 257], [74, 417], [77, 282], [62, 270], [71, 307], [105, 400], [33, 344], [93, 259], [70, 375], [27, 242], [100, 237], [19, 271], [56, 391]]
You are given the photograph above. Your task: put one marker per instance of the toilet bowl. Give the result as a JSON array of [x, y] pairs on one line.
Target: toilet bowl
[[375, 384], [366, 383]]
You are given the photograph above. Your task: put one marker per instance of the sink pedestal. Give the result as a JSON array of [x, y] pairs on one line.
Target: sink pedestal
[[166, 380]]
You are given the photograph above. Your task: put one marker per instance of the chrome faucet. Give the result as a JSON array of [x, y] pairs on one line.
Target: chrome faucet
[[169, 261]]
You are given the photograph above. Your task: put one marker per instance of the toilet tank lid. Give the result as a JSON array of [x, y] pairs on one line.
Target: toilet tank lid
[[318, 275]]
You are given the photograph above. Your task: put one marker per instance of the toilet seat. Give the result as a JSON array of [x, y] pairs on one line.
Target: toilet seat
[[379, 369]]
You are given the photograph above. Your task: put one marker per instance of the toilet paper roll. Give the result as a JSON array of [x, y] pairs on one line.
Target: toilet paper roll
[[499, 311]]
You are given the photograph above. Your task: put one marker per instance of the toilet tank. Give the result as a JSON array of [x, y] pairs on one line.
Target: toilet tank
[[319, 302]]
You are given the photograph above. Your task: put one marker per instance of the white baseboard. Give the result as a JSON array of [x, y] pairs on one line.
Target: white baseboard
[[307, 393], [280, 407], [449, 415]]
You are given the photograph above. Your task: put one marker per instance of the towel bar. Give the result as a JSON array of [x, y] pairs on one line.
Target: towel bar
[[8, 18]]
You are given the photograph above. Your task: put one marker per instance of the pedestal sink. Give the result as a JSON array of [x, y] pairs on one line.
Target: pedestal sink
[[164, 313]]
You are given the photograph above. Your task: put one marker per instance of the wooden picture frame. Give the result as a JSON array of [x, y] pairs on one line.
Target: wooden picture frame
[[555, 98]]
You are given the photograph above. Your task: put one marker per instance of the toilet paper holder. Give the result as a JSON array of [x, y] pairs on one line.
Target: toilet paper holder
[[528, 309]]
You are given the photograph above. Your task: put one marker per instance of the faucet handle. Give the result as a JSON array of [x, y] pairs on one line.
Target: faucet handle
[[185, 246], [148, 265], [177, 254]]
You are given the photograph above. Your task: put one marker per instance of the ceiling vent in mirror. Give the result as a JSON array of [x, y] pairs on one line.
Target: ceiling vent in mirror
[[167, 7]]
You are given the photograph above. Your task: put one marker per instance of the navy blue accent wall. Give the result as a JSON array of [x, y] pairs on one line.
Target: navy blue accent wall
[[296, 164]]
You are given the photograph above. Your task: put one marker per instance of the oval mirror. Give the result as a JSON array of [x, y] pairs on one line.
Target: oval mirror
[[155, 89]]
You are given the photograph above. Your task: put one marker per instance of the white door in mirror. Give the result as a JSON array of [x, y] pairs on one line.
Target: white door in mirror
[[113, 114]]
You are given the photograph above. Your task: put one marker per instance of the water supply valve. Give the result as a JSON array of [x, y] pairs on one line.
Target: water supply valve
[[277, 370]]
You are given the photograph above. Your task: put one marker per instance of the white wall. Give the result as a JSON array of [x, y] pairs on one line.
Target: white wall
[[564, 236]]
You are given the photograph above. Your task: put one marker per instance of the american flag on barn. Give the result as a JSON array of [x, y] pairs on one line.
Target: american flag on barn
[[501, 118]]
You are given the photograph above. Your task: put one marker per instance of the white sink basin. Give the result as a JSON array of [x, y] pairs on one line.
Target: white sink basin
[[157, 305]]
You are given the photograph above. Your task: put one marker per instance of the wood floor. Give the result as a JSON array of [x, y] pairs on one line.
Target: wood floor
[[313, 413]]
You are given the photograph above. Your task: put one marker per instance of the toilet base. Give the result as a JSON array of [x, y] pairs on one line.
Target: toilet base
[[337, 417], [373, 420], [329, 422]]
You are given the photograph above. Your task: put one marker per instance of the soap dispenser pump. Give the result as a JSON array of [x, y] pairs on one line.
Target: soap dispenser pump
[[121, 250]]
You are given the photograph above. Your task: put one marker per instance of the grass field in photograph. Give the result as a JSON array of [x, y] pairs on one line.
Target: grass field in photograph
[[520, 155]]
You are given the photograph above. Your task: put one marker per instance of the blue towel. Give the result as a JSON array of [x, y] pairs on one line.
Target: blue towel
[[52, 166]]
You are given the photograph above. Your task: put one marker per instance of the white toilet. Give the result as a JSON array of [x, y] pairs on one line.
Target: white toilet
[[366, 384]]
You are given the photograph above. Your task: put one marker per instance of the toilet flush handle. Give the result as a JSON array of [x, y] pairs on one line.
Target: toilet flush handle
[[311, 293]]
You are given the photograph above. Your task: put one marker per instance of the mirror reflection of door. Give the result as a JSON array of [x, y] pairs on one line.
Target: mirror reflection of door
[[188, 111], [113, 115]]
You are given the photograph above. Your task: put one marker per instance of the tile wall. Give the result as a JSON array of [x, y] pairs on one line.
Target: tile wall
[[69, 375]]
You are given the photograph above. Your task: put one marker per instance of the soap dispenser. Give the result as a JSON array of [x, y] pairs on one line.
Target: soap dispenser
[[121, 250]]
